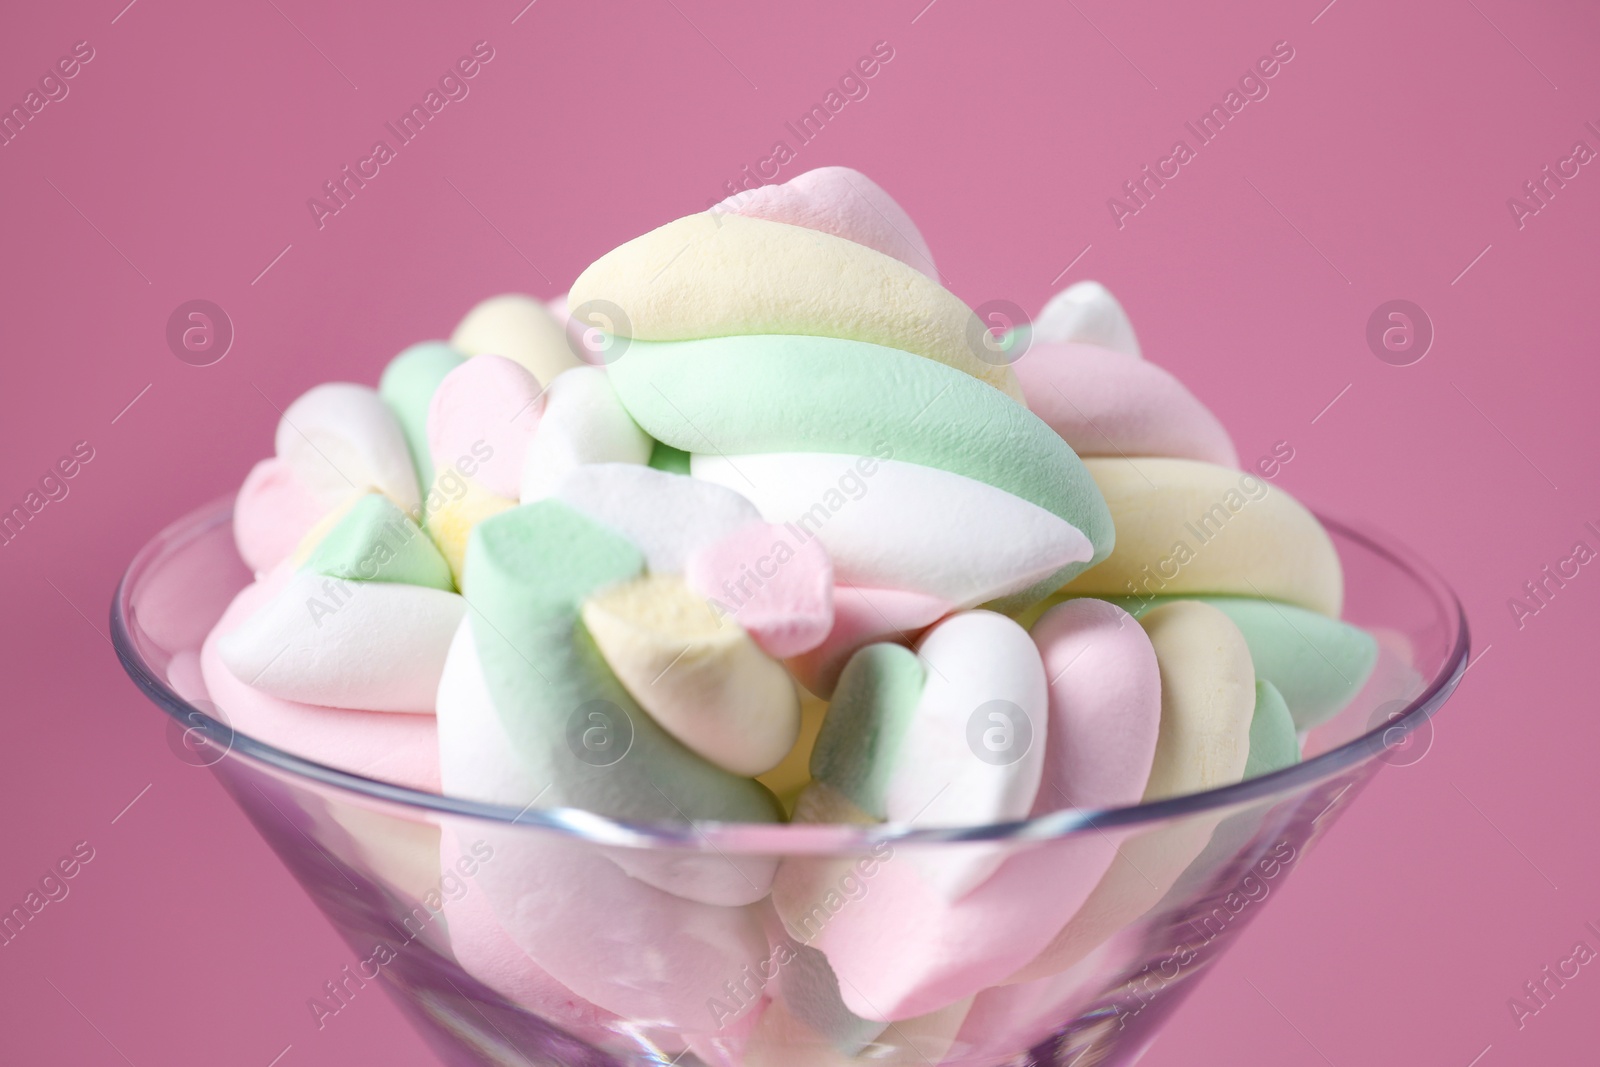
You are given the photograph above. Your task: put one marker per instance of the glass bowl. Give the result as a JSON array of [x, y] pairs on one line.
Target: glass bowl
[[516, 937]]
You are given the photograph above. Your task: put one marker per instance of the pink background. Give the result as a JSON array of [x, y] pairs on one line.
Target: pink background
[[1380, 164]]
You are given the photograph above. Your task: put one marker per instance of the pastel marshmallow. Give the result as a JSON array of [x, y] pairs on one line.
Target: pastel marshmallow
[[669, 517], [583, 423], [1208, 699], [271, 514], [1108, 403], [1274, 743], [1316, 663], [698, 674], [723, 275], [372, 646], [372, 540], [456, 506], [528, 572], [485, 411], [407, 386], [1086, 313], [843, 202], [340, 438], [896, 532], [1188, 527], [862, 617], [519, 328], [479, 760], [398, 748], [778, 587]]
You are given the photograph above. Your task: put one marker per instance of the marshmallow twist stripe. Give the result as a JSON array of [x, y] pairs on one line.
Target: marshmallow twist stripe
[[786, 393], [528, 572], [715, 276]]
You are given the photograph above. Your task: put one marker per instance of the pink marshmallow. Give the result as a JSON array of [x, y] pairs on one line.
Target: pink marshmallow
[[271, 514], [395, 747], [781, 595], [860, 617], [1108, 403], [843, 202], [1105, 706], [480, 421]]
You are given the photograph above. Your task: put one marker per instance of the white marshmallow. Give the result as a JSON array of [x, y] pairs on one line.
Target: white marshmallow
[[340, 438], [911, 527], [583, 423], [667, 515], [373, 646], [1086, 312]]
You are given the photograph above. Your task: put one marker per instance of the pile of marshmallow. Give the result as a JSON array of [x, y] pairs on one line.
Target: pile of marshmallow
[[761, 523]]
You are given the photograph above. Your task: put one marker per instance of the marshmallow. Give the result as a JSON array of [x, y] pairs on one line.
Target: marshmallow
[[843, 202], [1274, 744], [1208, 700], [1105, 706], [398, 748], [479, 761], [738, 396], [1208, 697], [906, 947], [781, 593], [1316, 663], [272, 513], [1108, 403], [669, 517], [1086, 313], [974, 751], [862, 617], [700, 676], [723, 275], [374, 541], [483, 414], [454, 513], [583, 423], [528, 571], [519, 328], [373, 646], [338, 438], [407, 386], [895, 531], [1187, 527]]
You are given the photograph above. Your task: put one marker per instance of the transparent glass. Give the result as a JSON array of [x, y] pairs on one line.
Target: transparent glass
[[514, 937]]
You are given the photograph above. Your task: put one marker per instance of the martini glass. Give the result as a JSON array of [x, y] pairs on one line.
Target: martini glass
[[523, 937]]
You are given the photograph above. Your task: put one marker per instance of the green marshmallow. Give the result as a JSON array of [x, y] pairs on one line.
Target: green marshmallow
[[376, 541], [529, 569], [1273, 743], [407, 386], [1318, 664], [867, 720], [663, 457], [782, 393]]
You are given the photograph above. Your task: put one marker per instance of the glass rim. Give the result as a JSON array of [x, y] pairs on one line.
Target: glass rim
[[789, 838]]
